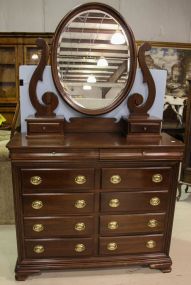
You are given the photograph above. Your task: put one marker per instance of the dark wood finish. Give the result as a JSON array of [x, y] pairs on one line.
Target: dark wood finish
[[132, 47], [92, 125], [164, 267], [58, 247], [63, 196], [49, 99], [136, 178], [105, 153], [140, 125], [145, 126], [45, 126], [135, 101], [65, 204], [59, 226], [131, 245], [57, 178], [134, 202], [131, 224]]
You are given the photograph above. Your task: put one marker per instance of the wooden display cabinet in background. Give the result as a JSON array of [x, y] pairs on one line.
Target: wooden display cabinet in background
[[15, 49]]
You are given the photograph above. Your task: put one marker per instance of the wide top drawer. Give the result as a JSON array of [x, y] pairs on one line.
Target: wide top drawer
[[50, 179], [134, 178]]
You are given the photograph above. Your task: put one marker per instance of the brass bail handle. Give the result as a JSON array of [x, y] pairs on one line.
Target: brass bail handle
[[80, 204], [80, 226], [38, 228], [36, 180], [80, 179], [115, 179], [37, 204], [155, 201], [157, 178], [80, 247], [112, 246], [114, 203], [151, 244], [38, 249], [152, 223], [113, 225]]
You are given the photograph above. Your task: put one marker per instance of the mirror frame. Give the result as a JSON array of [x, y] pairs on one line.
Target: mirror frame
[[133, 53]]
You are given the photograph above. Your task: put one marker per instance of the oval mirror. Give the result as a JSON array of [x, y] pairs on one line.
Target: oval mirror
[[93, 58]]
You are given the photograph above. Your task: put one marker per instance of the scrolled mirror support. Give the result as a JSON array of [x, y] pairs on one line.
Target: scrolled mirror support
[[49, 99], [135, 101]]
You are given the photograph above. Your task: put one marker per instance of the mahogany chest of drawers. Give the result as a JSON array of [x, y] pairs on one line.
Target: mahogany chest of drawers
[[93, 201]]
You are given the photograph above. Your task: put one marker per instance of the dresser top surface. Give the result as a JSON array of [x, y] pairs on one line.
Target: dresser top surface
[[92, 141]]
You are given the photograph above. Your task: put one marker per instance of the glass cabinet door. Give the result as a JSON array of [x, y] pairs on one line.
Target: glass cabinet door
[[31, 55], [8, 82]]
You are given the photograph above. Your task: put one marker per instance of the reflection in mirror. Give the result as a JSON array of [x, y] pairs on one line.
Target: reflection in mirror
[[93, 59]]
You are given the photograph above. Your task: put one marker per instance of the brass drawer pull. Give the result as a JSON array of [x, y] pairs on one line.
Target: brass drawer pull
[[115, 179], [35, 180], [80, 227], [38, 228], [157, 178], [152, 223], [38, 249], [155, 201], [114, 203], [113, 225], [79, 204], [151, 244], [80, 247], [80, 179], [37, 204], [112, 246]]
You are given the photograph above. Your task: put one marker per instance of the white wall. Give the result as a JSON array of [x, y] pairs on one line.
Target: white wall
[[26, 71], [157, 20]]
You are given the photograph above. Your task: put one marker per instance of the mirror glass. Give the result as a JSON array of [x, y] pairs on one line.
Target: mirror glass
[[93, 60]]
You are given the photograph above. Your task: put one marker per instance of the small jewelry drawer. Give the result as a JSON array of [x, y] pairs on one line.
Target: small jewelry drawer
[[134, 178], [54, 179], [142, 127], [58, 204], [45, 248], [59, 226], [45, 128], [131, 244], [133, 202], [131, 224]]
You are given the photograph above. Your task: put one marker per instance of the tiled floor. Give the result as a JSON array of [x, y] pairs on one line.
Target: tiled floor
[[180, 253]]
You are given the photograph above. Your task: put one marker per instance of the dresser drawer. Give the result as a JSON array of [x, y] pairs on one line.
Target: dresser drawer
[[58, 204], [59, 226], [138, 127], [54, 179], [131, 244], [131, 224], [134, 178], [44, 248], [45, 128], [133, 202]]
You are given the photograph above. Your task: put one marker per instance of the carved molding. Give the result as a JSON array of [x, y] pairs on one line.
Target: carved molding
[[135, 101], [49, 99]]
